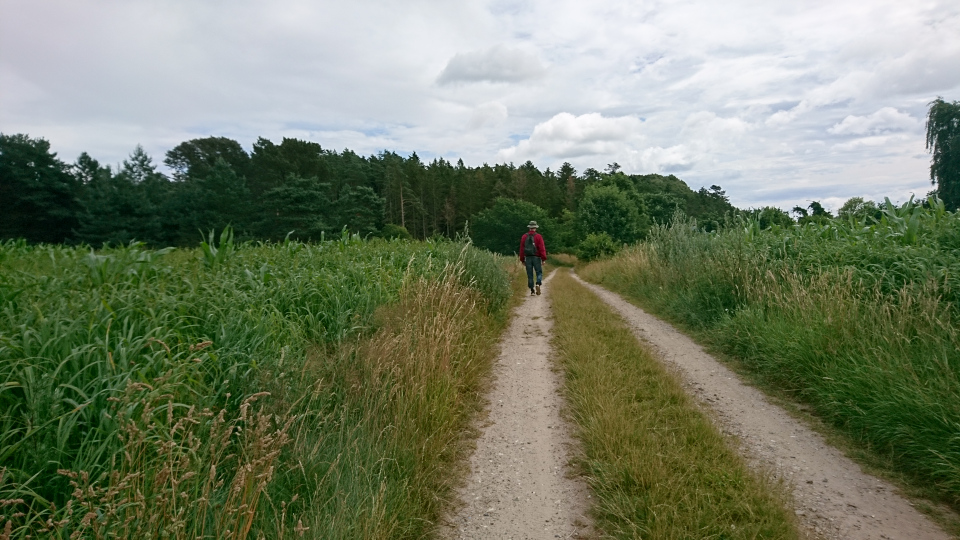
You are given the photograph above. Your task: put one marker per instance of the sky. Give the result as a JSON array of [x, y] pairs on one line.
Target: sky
[[779, 103]]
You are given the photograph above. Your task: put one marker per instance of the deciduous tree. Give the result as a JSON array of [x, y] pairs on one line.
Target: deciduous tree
[[500, 227], [606, 209], [943, 140]]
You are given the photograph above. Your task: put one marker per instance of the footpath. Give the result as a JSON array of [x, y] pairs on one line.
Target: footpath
[[519, 486], [834, 498]]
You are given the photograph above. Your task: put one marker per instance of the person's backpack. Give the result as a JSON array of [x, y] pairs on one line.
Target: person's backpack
[[529, 248]]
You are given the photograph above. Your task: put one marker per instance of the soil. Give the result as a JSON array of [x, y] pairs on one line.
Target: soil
[[833, 497], [520, 484]]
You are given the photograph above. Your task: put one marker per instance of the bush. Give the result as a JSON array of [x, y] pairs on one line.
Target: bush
[[597, 246], [606, 209], [391, 231]]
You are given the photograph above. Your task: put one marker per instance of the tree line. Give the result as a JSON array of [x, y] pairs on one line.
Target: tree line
[[298, 189]]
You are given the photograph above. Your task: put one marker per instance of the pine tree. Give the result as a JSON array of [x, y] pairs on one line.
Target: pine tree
[[39, 198]]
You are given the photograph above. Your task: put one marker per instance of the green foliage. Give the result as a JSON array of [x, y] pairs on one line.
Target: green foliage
[[500, 227], [213, 255], [299, 186], [137, 376], [857, 317], [606, 209], [214, 200], [597, 246], [660, 207], [197, 158], [943, 140], [299, 206], [768, 217], [116, 211], [564, 233], [391, 231], [859, 210], [38, 196], [361, 210], [817, 214]]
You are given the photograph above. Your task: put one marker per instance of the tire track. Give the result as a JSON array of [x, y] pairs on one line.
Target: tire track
[[834, 497]]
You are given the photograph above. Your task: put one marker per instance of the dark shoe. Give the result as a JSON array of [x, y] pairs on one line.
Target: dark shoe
[[538, 290], [532, 293]]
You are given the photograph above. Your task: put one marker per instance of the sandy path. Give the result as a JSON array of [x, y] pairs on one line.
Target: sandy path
[[519, 486], [835, 499]]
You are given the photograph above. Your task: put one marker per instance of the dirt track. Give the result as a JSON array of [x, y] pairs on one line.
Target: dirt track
[[519, 485], [834, 498]]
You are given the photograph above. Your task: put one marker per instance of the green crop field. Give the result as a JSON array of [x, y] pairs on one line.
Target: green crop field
[[234, 391], [857, 318]]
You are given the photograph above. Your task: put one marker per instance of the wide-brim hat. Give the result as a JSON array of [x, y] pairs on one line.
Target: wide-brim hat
[[533, 225]]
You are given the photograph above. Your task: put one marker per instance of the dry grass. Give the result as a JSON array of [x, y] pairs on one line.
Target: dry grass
[[322, 391], [861, 331], [412, 390], [563, 259], [657, 466]]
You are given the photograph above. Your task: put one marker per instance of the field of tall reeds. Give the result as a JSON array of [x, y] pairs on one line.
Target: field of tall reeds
[[858, 319], [239, 391]]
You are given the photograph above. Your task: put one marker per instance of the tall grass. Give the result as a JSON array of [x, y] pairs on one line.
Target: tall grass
[[858, 320], [657, 466], [229, 392]]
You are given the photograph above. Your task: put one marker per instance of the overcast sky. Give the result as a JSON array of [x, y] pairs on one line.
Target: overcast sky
[[778, 102]]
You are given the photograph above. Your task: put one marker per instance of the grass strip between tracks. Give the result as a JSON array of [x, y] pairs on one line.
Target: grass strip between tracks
[[656, 465]]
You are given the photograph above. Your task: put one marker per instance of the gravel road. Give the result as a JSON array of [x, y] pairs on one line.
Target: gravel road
[[834, 498]]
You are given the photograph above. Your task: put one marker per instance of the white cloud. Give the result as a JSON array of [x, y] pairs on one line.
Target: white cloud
[[566, 136], [887, 119], [488, 114], [496, 64], [708, 132], [874, 141], [778, 102], [675, 159]]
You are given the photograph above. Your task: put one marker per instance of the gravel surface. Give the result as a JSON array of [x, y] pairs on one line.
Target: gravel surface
[[520, 485], [834, 498]]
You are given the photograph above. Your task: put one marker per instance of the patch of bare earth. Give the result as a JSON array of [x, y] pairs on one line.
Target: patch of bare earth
[[520, 485], [834, 498]]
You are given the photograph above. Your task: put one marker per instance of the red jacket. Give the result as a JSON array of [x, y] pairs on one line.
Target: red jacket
[[538, 242]]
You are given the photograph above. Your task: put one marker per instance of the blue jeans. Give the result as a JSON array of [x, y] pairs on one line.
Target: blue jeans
[[533, 263]]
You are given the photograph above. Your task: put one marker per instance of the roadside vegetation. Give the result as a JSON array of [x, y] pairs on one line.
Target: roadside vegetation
[[657, 466], [240, 391], [858, 318]]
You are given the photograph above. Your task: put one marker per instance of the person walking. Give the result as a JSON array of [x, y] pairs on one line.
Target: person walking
[[532, 254]]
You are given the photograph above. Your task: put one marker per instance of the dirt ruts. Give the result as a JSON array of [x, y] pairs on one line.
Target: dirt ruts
[[834, 498], [519, 485]]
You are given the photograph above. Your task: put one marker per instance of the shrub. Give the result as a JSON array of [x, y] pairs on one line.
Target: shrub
[[391, 231], [596, 246]]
